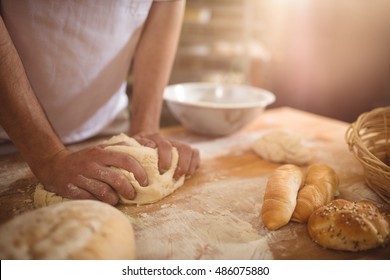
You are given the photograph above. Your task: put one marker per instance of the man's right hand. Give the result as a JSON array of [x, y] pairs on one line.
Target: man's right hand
[[87, 174]]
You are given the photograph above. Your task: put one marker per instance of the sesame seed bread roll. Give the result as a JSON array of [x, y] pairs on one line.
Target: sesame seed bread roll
[[320, 188], [280, 196], [72, 230], [349, 226]]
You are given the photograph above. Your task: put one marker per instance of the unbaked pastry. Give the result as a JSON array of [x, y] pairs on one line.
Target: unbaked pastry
[[82, 229], [160, 185], [349, 226], [282, 147]]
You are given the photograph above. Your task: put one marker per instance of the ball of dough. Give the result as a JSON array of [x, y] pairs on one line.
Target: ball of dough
[[160, 185], [282, 147], [82, 229], [349, 226]]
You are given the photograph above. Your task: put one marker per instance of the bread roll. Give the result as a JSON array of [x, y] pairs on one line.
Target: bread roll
[[320, 188], [82, 229], [349, 226], [280, 196]]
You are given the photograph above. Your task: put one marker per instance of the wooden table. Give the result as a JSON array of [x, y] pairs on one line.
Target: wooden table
[[216, 214]]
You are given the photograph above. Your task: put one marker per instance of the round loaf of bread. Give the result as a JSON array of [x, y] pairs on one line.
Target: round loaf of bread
[[349, 226], [81, 229]]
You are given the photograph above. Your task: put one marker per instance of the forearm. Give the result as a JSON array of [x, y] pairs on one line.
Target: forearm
[[20, 112], [153, 63]]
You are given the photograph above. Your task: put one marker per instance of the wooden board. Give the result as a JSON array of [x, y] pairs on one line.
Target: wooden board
[[216, 214]]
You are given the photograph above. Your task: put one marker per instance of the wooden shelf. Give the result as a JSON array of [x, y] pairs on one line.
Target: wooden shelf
[[216, 41]]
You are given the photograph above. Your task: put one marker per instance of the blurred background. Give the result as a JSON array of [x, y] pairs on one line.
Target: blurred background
[[329, 57]]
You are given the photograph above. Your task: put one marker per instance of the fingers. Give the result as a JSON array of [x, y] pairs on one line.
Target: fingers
[[126, 162], [103, 184], [87, 188], [114, 179], [98, 189], [188, 161], [195, 161], [164, 149], [104, 181], [88, 174], [188, 158], [121, 143], [71, 191], [145, 142]]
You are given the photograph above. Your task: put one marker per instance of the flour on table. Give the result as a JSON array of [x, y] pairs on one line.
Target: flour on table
[[234, 144], [211, 222], [160, 185], [282, 147]]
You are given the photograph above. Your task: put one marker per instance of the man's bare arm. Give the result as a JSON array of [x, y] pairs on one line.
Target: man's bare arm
[[152, 67], [82, 175]]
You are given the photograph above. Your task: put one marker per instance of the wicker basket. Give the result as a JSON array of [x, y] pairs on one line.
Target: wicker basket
[[368, 139]]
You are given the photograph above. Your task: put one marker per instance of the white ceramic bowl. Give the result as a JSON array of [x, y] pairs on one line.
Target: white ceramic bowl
[[216, 109]]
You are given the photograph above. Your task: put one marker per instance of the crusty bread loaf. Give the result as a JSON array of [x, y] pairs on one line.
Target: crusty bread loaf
[[350, 226], [320, 188], [82, 229], [280, 196]]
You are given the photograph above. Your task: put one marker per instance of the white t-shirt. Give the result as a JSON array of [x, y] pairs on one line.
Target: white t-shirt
[[76, 54]]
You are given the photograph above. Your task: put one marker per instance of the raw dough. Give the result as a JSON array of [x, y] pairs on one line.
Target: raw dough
[[282, 147], [82, 229], [160, 185]]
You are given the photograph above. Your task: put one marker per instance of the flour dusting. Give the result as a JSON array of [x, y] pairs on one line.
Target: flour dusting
[[231, 145], [223, 228]]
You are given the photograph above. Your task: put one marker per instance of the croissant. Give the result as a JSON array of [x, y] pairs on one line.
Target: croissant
[[280, 196], [320, 187]]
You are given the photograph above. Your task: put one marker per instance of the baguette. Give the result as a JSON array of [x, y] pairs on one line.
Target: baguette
[[280, 196], [320, 187], [349, 226]]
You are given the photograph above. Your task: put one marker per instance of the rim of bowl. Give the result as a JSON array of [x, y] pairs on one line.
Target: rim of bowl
[[267, 96]]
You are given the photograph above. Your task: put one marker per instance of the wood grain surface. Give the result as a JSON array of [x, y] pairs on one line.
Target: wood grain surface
[[216, 214]]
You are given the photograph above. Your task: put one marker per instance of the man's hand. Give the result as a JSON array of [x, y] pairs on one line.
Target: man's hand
[[188, 157], [87, 174]]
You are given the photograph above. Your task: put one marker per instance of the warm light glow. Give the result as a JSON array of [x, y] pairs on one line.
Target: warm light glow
[[326, 53]]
